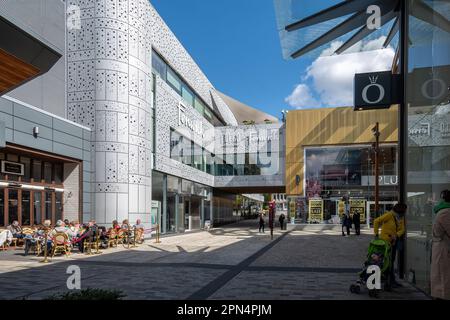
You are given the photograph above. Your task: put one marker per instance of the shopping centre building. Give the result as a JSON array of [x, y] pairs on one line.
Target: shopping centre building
[[114, 120], [330, 155]]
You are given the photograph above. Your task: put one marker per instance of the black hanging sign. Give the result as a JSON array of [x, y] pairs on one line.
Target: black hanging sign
[[376, 90]]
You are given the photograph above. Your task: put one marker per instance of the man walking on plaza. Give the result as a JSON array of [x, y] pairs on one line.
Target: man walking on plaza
[[261, 222], [357, 222]]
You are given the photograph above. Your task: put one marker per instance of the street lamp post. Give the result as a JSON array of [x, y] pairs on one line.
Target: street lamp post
[[284, 113], [376, 133]]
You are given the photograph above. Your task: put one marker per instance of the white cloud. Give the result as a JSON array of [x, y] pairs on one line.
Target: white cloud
[[329, 79], [301, 97]]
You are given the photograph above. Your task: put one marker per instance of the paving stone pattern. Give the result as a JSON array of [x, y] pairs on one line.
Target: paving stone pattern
[[232, 262]]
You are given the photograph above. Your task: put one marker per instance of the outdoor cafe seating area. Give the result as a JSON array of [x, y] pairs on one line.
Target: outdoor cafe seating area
[[65, 238]]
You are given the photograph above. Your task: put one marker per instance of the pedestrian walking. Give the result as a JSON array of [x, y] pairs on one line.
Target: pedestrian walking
[[272, 210], [281, 220], [392, 228], [346, 220], [440, 260], [357, 222], [261, 222]]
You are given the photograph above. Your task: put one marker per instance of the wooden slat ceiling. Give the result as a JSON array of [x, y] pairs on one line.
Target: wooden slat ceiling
[[14, 72]]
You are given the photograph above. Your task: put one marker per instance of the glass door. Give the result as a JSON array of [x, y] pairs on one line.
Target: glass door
[[195, 213], [37, 207], [2, 207], [13, 206], [26, 206], [187, 215]]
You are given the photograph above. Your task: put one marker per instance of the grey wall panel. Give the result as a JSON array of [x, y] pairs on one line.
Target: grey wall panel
[[67, 151], [28, 140], [68, 139], [27, 127], [6, 106], [7, 119], [63, 127], [30, 114], [9, 134], [86, 145]]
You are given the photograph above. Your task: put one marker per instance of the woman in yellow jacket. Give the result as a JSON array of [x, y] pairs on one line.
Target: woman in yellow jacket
[[392, 228]]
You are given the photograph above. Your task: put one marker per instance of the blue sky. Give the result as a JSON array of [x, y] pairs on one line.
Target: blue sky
[[236, 44]]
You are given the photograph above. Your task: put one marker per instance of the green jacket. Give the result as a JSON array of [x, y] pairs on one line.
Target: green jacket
[[440, 206]]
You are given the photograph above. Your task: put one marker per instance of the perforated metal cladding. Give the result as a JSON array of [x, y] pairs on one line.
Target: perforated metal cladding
[[109, 90]]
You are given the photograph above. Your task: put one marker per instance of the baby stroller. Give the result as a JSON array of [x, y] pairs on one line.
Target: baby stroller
[[379, 254]]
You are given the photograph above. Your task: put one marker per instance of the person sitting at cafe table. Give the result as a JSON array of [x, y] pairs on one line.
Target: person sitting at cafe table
[[61, 228], [15, 229], [115, 225], [139, 225], [125, 224]]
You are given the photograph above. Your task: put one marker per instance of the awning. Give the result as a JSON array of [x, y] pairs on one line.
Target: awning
[[22, 56], [327, 27]]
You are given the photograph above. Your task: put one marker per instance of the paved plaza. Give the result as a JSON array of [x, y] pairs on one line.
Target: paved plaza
[[231, 262]]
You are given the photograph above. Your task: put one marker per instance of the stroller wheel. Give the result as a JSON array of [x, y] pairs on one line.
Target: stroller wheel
[[352, 288], [357, 289]]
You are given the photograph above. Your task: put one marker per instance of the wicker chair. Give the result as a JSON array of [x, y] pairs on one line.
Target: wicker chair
[[112, 237], [139, 235], [60, 243], [121, 236]]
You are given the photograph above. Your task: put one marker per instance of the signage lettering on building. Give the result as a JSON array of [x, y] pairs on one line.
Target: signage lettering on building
[[422, 129], [383, 180], [184, 120], [445, 129], [316, 210], [376, 90], [14, 168], [358, 206]]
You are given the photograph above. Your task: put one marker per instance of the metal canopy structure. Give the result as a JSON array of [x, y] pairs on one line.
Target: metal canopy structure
[[303, 32]]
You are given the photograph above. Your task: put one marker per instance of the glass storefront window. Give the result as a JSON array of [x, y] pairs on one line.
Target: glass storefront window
[[37, 170], [176, 146], [198, 157], [59, 172], [48, 206], [26, 214], [48, 172], [428, 83], [58, 206], [2, 207], [159, 66], [199, 106], [27, 169], [187, 95], [174, 81], [37, 207], [13, 206]]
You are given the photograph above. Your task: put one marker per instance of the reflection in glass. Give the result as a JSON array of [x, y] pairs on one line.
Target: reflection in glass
[[2, 207], [58, 206], [37, 208], [48, 206], [26, 215], [13, 206], [428, 101], [37, 170]]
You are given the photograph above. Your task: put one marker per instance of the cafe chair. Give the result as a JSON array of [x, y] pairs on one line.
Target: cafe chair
[[112, 238], [60, 243]]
